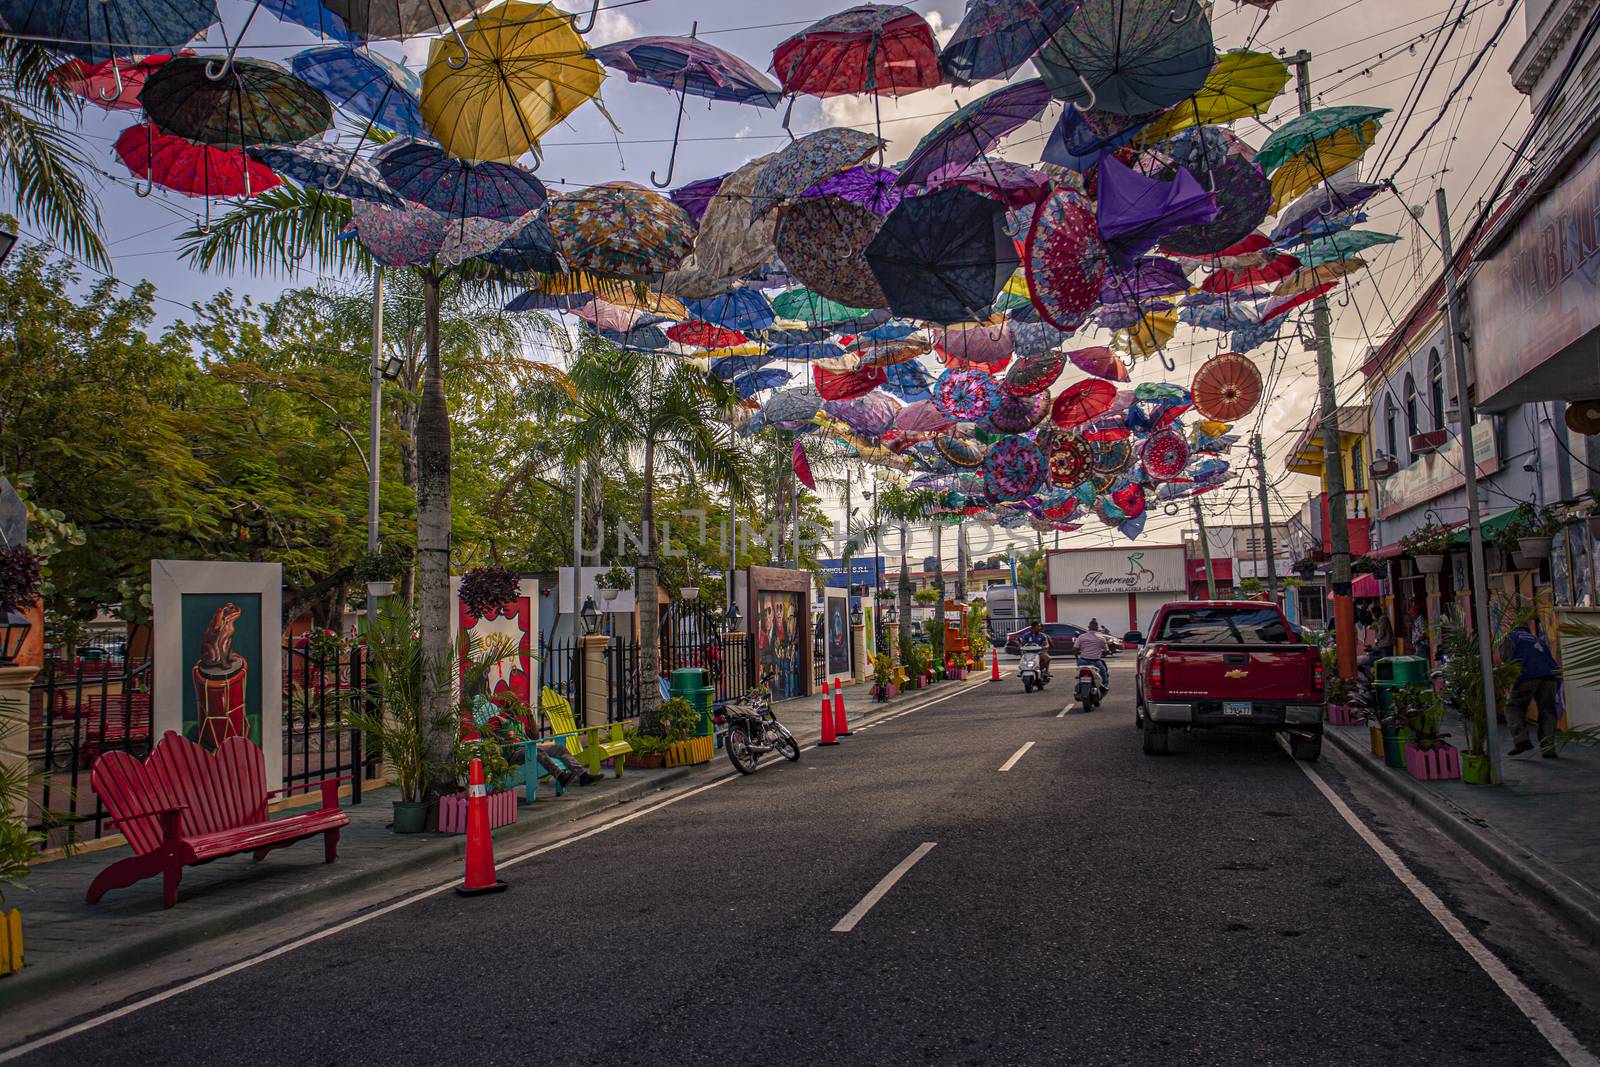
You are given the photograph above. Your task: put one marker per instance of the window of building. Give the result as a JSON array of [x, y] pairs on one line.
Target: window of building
[[1436, 388], [1358, 467], [1409, 398], [1388, 426]]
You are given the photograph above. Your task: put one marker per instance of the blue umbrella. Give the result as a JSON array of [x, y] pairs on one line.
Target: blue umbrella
[[642, 338], [458, 188], [532, 248], [997, 36], [364, 83], [758, 381], [807, 351], [1079, 137], [730, 367], [533, 300], [95, 29], [313, 16], [744, 310], [804, 336], [909, 381], [319, 165]]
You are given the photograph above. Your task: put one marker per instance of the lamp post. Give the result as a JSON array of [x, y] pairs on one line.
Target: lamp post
[[591, 616], [733, 618], [378, 370], [13, 632]]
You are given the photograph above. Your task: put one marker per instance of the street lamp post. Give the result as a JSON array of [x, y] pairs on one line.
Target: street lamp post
[[378, 371]]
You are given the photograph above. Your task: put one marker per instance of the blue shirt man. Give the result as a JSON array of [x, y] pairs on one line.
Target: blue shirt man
[[1538, 680]]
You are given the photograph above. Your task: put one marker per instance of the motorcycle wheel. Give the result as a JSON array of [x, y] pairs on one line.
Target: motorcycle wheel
[[785, 745], [739, 754], [1027, 685]]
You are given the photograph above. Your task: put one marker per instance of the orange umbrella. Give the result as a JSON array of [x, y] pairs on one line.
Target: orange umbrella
[[1226, 387]]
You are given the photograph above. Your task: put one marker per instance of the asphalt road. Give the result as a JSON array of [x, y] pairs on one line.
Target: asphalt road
[[1088, 905]]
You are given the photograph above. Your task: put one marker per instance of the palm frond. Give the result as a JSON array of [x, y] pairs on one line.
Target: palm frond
[[42, 164], [1580, 652], [277, 231]]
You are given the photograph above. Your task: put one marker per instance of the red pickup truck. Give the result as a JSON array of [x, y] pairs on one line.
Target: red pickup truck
[[1220, 663]]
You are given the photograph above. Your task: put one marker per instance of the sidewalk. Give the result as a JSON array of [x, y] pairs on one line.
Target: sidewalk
[[1537, 829], [70, 942]]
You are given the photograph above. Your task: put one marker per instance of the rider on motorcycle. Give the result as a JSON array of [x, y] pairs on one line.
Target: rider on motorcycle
[[1091, 649], [1035, 637]]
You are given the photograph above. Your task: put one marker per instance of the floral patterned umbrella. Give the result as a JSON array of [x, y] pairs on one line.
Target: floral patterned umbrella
[[923, 416], [322, 166], [1018, 414], [1165, 454], [730, 244], [807, 161], [253, 102], [872, 187], [960, 451], [1012, 184], [1013, 468], [1068, 463], [398, 237], [889, 353], [1082, 401], [1065, 260], [883, 49], [996, 37], [96, 31], [1032, 375], [1034, 338], [808, 306], [821, 241], [365, 83], [967, 395], [969, 343], [1100, 362], [622, 229]]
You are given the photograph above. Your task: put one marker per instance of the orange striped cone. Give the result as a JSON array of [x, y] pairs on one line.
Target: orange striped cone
[[480, 847], [841, 728], [828, 736], [994, 665]]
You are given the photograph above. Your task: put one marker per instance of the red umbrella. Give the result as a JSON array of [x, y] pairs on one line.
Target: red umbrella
[[846, 385], [113, 84], [705, 335], [1069, 466], [189, 168], [1081, 402], [1065, 261], [1226, 387], [1275, 270], [1100, 362], [875, 48], [1283, 305]]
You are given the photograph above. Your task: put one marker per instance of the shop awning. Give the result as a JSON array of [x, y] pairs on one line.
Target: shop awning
[[1490, 526], [1366, 585]]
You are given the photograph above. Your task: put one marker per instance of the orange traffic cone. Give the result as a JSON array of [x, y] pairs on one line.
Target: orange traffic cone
[[994, 665], [480, 847], [841, 728], [828, 736]]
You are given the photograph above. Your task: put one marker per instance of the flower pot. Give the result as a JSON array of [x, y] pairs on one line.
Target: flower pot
[[1394, 750], [1534, 547], [1432, 764], [1376, 740], [646, 760], [453, 811], [1474, 769], [376, 589], [1518, 562], [690, 752], [1429, 564], [410, 816], [608, 595], [10, 941]]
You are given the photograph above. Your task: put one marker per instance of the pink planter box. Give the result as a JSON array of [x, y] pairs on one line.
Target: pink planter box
[[453, 811], [1344, 715], [1432, 764]]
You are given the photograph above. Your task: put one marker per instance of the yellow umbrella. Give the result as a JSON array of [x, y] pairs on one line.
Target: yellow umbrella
[[752, 349], [1152, 332], [615, 290], [1240, 84], [1303, 281], [526, 70], [650, 300], [1213, 428], [1319, 161]]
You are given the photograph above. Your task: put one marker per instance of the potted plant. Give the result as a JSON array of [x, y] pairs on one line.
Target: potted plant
[[1539, 532], [648, 749], [1463, 686], [917, 658], [687, 741], [882, 677], [485, 590], [496, 772], [1427, 545], [1339, 693], [613, 582], [1420, 713], [379, 571]]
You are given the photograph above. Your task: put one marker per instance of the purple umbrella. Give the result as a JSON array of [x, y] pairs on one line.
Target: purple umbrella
[[997, 36], [457, 188], [1243, 197], [871, 187], [1148, 277], [695, 197], [1134, 212], [972, 130], [1015, 185]]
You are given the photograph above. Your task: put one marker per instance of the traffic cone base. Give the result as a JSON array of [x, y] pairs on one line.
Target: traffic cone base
[[480, 877], [828, 736], [841, 726]]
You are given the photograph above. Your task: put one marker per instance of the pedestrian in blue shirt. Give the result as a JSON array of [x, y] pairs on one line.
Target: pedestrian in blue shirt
[[1538, 679]]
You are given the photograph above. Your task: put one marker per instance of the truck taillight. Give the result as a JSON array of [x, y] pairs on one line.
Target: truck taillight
[[1156, 663], [1317, 676]]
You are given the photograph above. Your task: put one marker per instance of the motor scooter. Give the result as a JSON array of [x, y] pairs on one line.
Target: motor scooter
[[1090, 690], [1032, 670]]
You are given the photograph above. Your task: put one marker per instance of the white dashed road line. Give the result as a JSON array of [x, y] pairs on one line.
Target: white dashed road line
[[875, 894], [1018, 754]]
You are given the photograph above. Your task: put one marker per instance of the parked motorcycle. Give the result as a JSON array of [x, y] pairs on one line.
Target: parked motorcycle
[[1090, 690], [1031, 670], [753, 731]]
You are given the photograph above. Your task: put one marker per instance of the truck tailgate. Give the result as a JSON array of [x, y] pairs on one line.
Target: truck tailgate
[[1240, 672]]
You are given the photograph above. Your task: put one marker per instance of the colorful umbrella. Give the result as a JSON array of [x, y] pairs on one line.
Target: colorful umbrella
[[909, 381], [889, 353], [807, 351], [872, 415], [968, 343], [1311, 148], [1012, 184], [705, 335], [792, 406], [871, 187], [997, 36], [960, 451], [1226, 387], [1068, 463], [1033, 375], [398, 237], [943, 257], [745, 310], [844, 385], [1240, 84], [1017, 414], [1032, 338], [1332, 198], [730, 243], [923, 416], [399, 19], [457, 188], [1100, 362], [802, 467], [365, 83], [804, 163], [1279, 306], [1152, 332], [254, 102], [690, 66], [532, 248], [621, 229], [1013, 469], [189, 168], [1149, 277], [971, 130], [695, 197], [883, 49], [1135, 212], [1242, 195], [95, 31], [1341, 246], [808, 306], [748, 385], [1080, 136], [327, 167], [1065, 260], [1127, 56], [112, 84], [1082, 401], [525, 70], [728, 368], [967, 395], [1164, 455], [821, 241], [1270, 273]]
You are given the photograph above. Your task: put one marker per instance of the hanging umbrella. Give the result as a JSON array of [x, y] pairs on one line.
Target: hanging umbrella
[[326, 167], [843, 385], [730, 243], [943, 257], [1127, 56], [821, 241], [997, 36], [1242, 195], [1100, 362], [968, 343], [1335, 197], [1226, 387], [399, 19], [254, 103], [805, 305], [1149, 277], [967, 395], [98, 29], [1279, 306], [532, 248], [1033, 375], [189, 168], [748, 385], [882, 49], [909, 381], [525, 70], [745, 310], [1068, 463], [1082, 401], [457, 188], [604, 315], [695, 197], [364, 83], [1341, 246], [1080, 136], [1152, 332], [804, 163], [871, 187], [792, 406], [807, 351], [1135, 212], [971, 130], [960, 452], [622, 229], [1270, 273], [398, 237], [1065, 260], [704, 335], [1164, 455], [1013, 469], [872, 415], [889, 353], [923, 416], [1017, 414], [1303, 280], [1240, 84], [111, 84], [1012, 184], [1311, 148], [728, 368]]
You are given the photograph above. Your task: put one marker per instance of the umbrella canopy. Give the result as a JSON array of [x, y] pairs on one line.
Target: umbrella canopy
[[531, 248], [1270, 273], [400, 18], [1311, 148], [1127, 56], [1240, 84], [808, 306], [460, 188], [1082, 401], [1013, 469], [1134, 212], [319, 165], [1012, 184], [1311, 278], [1033, 375], [922, 416], [1017, 414], [96, 31], [805, 162], [943, 257], [884, 49], [1304, 131], [791, 406], [821, 241], [1068, 462], [872, 187], [398, 236], [604, 315], [254, 102], [745, 310], [1341, 246], [689, 65], [526, 70], [872, 415], [1065, 260], [1100, 362], [844, 385], [1335, 197], [1149, 277], [1243, 196], [1032, 338], [960, 452], [365, 83], [997, 36], [695, 197], [622, 229], [748, 385], [728, 368], [189, 168], [705, 335], [967, 343], [971, 130], [111, 84], [1080, 136], [730, 243], [1226, 387], [967, 395]]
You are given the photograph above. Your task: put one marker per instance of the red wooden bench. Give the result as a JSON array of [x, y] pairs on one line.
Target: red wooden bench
[[116, 720], [185, 805]]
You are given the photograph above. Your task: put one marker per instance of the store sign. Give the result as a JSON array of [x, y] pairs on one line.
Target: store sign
[[864, 570], [1537, 293], [1117, 570], [1435, 474]]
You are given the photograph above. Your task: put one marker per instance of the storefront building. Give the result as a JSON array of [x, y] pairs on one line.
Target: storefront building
[[1120, 587]]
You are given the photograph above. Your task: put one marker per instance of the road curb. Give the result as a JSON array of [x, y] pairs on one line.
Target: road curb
[[37, 981], [1572, 902]]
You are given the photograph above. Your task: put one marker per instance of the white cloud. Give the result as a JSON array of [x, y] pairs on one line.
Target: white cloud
[[611, 26]]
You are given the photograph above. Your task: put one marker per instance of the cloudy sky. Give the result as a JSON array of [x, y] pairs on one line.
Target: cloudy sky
[[1365, 51]]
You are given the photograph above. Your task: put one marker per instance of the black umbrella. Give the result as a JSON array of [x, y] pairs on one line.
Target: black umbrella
[[943, 257], [253, 103]]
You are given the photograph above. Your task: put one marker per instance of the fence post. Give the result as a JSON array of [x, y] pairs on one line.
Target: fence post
[[360, 683], [594, 685], [858, 650], [14, 683]]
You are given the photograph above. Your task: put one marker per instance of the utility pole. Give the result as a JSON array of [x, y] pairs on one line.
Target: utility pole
[[1344, 605], [374, 431], [1205, 549], [963, 561], [577, 547], [1480, 579], [1266, 517]]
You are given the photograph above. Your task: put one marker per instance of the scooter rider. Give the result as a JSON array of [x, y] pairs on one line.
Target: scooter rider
[[1091, 649], [1037, 638]]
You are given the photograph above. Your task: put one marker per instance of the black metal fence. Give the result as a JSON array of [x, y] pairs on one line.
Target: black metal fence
[[623, 682], [560, 669], [322, 684]]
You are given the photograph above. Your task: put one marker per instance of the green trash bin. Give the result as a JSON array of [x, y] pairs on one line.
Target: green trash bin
[[686, 681], [1396, 672], [702, 700]]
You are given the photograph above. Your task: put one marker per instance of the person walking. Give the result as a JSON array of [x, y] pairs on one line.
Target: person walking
[[1418, 635], [1382, 635], [1538, 679]]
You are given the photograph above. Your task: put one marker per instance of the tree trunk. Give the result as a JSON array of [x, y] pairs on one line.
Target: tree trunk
[[937, 638], [649, 600], [905, 589], [408, 475], [433, 543]]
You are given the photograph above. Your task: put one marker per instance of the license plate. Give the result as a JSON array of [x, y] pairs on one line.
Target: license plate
[[1236, 709]]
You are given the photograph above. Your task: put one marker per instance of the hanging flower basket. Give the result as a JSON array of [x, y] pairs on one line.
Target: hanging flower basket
[[608, 595], [485, 590], [1534, 547], [1519, 562], [1430, 564]]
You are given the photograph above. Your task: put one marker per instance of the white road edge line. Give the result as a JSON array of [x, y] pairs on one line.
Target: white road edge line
[[875, 894], [1565, 1043], [1018, 754], [44, 1041]]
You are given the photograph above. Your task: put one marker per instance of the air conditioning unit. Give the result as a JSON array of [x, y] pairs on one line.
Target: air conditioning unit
[[1383, 466], [1432, 441]]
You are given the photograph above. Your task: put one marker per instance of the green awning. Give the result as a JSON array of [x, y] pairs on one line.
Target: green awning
[[1490, 527]]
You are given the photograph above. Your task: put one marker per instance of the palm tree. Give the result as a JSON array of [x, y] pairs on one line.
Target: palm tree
[[897, 507], [41, 163]]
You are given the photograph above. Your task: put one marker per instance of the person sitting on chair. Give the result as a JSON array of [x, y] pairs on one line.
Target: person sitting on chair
[[507, 730]]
